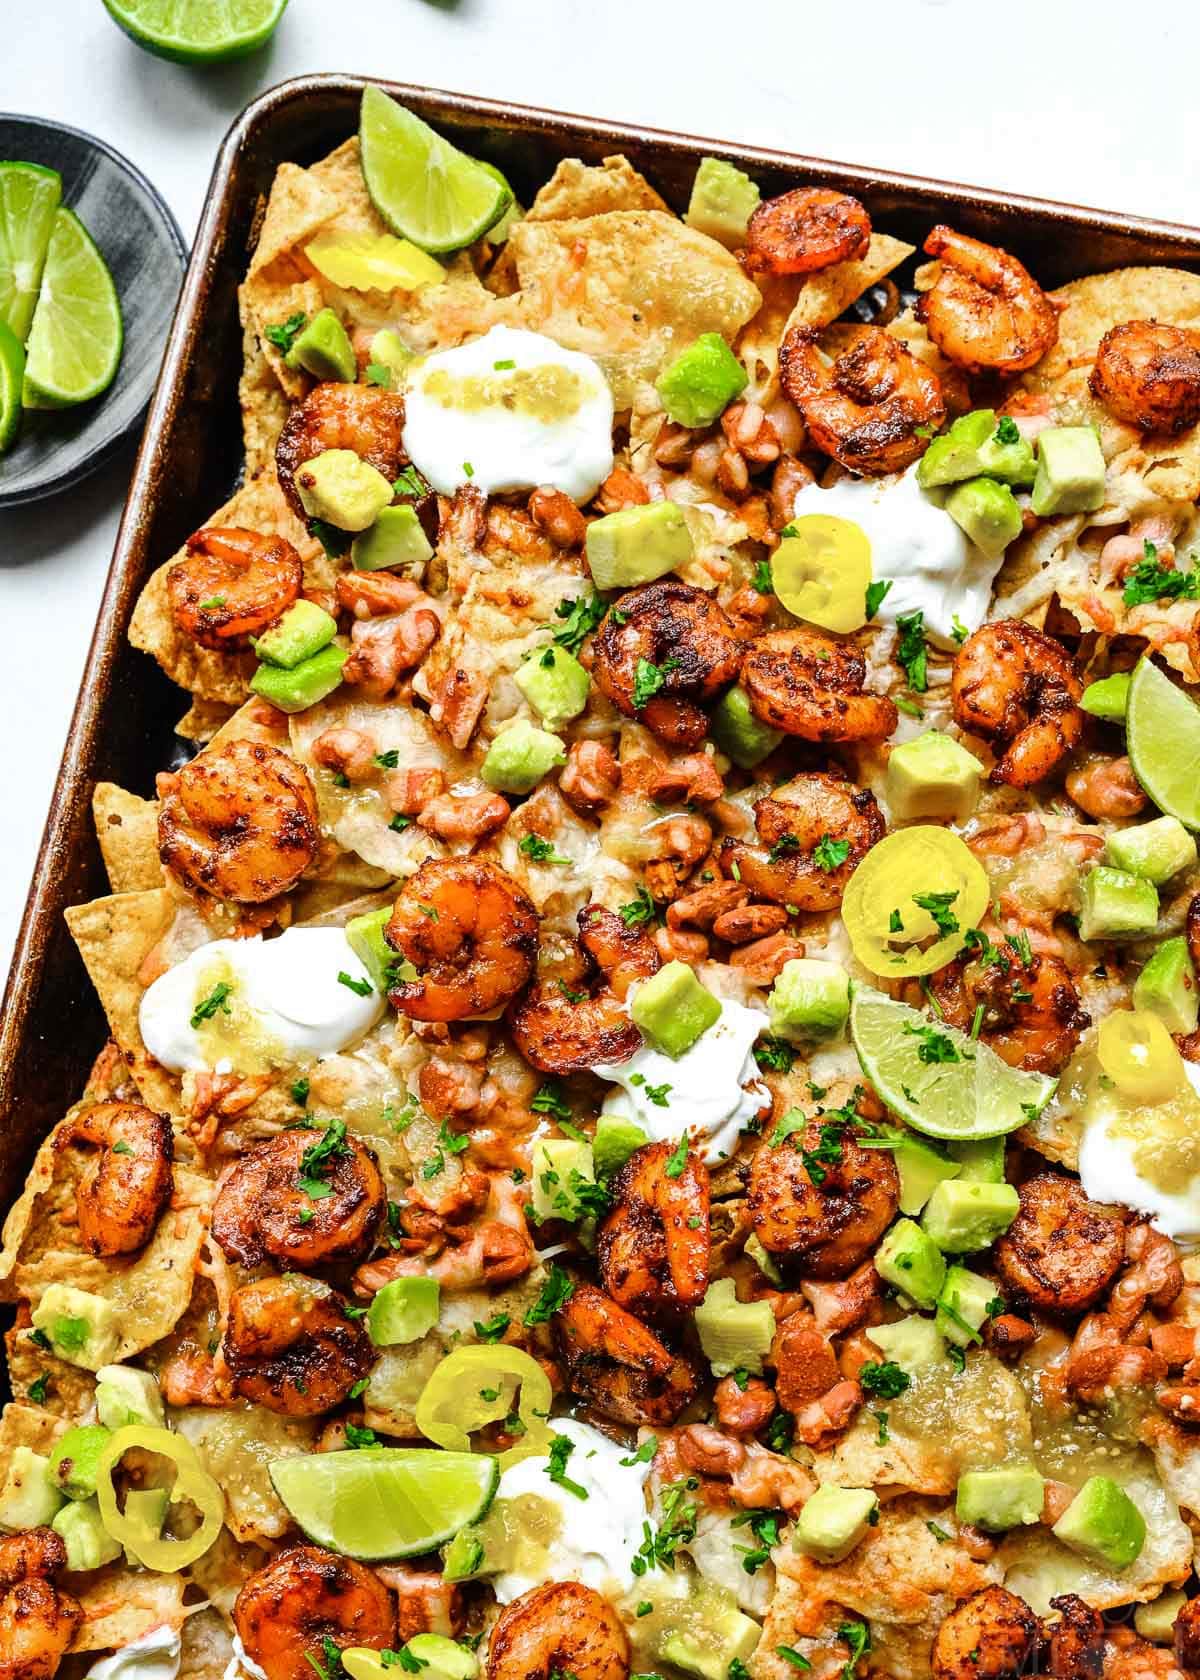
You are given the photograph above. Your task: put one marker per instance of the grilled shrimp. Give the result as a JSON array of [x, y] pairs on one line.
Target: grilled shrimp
[[1017, 685], [239, 822], [1147, 373], [263, 1210], [560, 1628], [792, 822], [661, 652], [1032, 1015], [1062, 1251], [471, 932], [1076, 1640], [38, 1622], [811, 686], [826, 1212], [653, 1248], [619, 1366], [232, 585], [290, 1346], [558, 1031], [869, 407], [1186, 1640], [805, 229], [989, 1636], [304, 1596], [364, 418], [985, 310], [127, 1183]]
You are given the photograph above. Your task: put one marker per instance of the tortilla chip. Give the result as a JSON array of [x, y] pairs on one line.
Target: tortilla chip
[[115, 936], [127, 829], [26, 1426], [235, 1444], [202, 720], [264, 404], [581, 189], [278, 284], [69, 1392], [223, 1569], [121, 1603]]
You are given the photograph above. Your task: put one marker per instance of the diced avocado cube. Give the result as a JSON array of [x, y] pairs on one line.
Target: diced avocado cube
[[301, 687], [672, 1009], [464, 1557], [389, 350], [614, 1142], [963, 1215], [963, 1306], [304, 629], [341, 488], [1108, 698], [520, 756], [125, 1395], [442, 1658], [932, 777], [29, 1498], [323, 349], [1167, 987], [1154, 850], [810, 999], [988, 512], [404, 1310], [833, 1520], [560, 1166], [954, 456], [922, 1168], [708, 1646], [722, 202], [1102, 1524], [1156, 1621], [82, 1327], [1013, 462], [145, 1512], [701, 382], [74, 1458], [365, 937], [555, 685], [735, 1335], [982, 1159], [998, 1499], [637, 545], [1070, 471], [395, 542], [89, 1544], [765, 1262], [738, 733], [912, 1262], [910, 1342], [1114, 903]]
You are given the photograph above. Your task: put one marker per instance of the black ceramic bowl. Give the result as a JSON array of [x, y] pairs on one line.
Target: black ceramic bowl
[[145, 250]]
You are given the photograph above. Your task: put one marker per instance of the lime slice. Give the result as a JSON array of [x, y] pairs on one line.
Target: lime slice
[[974, 1096], [29, 196], [12, 374], [386, 1502], [512, 212], [198, 31], [423, 187], [1163, 733], [75, 340]]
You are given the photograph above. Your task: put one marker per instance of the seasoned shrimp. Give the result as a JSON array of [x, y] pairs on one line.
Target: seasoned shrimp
[[985, 310], [1147, 373], [127, 1183], [290, 1346], [560, 1628], [792, 822], [820, 1200], [1106, 787], [811, 686], [1017, 685], [304, 1596], [1062, 1251], [660, 653], [805, 229], [619, 1366], [470, 930], [871, 407], [239, 822], [38, 1622], [557, 1030], [1186, 1640], [1076, 1640], [653, 1248], [232, 585], [1032, 1015], [263, 1210], [364, 418], [990, 1636]]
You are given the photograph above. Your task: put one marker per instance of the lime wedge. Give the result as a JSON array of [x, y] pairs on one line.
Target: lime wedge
[[975, 1095], [423, 187], [385, 1502], [12, 373], [29, 196], [198, 31], [75, 340], [1162, 728]]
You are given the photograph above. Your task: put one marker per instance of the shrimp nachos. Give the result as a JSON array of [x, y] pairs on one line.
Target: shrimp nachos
[[651, 1123]]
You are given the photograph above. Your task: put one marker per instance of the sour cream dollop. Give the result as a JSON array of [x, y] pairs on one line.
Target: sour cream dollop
[[283, 997], [240, 1666], [510, 411], [1109, 1172], [155, 1656]]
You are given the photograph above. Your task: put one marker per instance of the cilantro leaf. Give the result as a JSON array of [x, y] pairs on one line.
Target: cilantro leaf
[[910, 650], [648, 679]]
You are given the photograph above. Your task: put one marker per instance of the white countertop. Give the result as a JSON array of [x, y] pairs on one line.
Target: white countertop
[[1052, 97]]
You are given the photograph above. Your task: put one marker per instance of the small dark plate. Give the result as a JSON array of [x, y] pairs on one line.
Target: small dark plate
[[142, 245]]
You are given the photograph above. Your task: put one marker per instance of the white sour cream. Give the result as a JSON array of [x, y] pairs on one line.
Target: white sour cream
[[1108, 1173], [240, 1666], [289, 985], [155, 1656], [510, 411], [600, 1535], [711, 1091]]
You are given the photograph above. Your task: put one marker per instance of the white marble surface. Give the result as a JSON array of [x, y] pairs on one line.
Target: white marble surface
[[1087, 102]]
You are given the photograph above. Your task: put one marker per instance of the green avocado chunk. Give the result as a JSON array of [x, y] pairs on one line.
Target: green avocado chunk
[[735, 1335], [672, 1009], [389, 350], [404, 1310], [963, 1215], [988, 512], [395, 542], [738, 733], [722, 202], [725, 1636], [74, 1457], [982, 1159], [1102, 1524], [89, 1544], [1108, 698], [701, 382], [637, 545], [126, 1395], [998, 1499], [922, 1168], [520, 756], [464, 1558], [1070, 471], [972, 447], [561, 1167], [910, 1342], [912, 1261], [385, 965], [323, 349], [614, 1142], [442, 1658], [933, 777], [963, 1306], [555, 684], [810, 999], [833, 1520], [1154, 850], [30, 1495], [1114, 903], [301, 687], [82, 1327], [1167, 987], [304, 629], [342, 489]]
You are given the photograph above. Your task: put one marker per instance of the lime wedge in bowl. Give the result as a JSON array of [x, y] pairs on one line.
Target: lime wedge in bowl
[[425, 189], [12, 375], [385, 1502], [1162, 729], [939, 1080], [198, 31], [75, 340], [29, 196]]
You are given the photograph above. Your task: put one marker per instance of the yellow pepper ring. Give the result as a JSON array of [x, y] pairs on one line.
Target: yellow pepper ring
[[895, 935], [453, 1404], [821, 571], [1138, 1054], [192, 1482]]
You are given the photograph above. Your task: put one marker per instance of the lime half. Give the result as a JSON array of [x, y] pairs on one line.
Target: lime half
[[198, 31], [1163, 733], [75, 340], [423, 187], [936, 1078], [385, 1502], [12, 373], [29, 196]]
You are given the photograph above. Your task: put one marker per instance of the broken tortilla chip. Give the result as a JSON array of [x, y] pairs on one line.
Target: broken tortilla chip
[[115, 935], [127, 829], [582, 189]]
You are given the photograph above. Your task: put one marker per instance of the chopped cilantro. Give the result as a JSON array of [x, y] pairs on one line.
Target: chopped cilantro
[[786, 846], [299, 1092], [646, 1451], [493, 1328], [213, 602], [858, 1637], [1007, 430], [958, 630], [774, 1055], [378, 373], [641, 912], [885, 1379], [334, 542], [284, 333], [882, 1434], [122, 1148], [410, 483], [561, 1448], [939, 1533], [317, 1161], [876, 592], [399, 823], [762, 578], [938, 906], [910, 650], [582, 616], [207, 1008], [790, 1655], [363, 988], [1151, 580], [555, 1293], [677, 1160], [37, 1389], [678, 1526], [550, 1100], [648, 679], [356, 1436], [934, 1047], [830, 854], [539, 850]]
